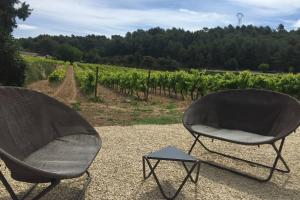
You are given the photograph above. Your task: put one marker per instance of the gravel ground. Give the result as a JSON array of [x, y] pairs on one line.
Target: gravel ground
[[117, 171]]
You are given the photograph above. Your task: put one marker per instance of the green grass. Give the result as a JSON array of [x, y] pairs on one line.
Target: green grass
[[76, 105], [166, 119], [154, 103], [144, 109], [171, 106], [136, 114], [97, 99]]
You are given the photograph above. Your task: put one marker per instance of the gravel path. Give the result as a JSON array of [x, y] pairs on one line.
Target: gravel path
[[117, 171]]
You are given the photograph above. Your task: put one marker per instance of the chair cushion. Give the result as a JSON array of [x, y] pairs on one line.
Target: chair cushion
[[68, 156], [231, 135]]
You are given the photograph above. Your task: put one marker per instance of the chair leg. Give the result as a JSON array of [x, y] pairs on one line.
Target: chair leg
[[29, 191], [8, 187], [194, 143], [87, 182], [282, 160], [189, 172], [53, 184], [272, 168], [40, 195]]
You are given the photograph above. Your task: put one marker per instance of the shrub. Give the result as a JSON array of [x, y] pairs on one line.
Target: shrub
[[58, 75], [264, 67]]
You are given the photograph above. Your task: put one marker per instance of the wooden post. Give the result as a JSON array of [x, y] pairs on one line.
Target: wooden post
[[148, 81], [96, 84]]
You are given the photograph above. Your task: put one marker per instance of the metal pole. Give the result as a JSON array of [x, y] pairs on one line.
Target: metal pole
[[96, 84], [148, 81]]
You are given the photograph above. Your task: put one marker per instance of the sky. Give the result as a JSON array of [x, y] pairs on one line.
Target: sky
[[117, 17]]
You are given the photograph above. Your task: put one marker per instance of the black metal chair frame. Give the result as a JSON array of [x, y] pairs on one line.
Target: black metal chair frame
[[272, 168], [52, 185], [152, 171]]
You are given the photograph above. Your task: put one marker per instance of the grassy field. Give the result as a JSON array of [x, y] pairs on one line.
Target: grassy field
[[113, 108]]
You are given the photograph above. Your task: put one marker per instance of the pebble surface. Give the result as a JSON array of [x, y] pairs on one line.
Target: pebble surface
[[117, 170]]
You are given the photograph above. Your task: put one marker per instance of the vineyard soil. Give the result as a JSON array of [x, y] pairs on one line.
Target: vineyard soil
[[67, 90], [111, 107]]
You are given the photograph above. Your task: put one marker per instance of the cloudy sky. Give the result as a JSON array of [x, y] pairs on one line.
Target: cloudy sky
[[110, 17]]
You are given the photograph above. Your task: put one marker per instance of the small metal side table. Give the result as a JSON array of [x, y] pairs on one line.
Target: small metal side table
[[171, 153]]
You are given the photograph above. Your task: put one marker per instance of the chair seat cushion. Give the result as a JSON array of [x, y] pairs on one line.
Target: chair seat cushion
[[231, 135], [67, 156]]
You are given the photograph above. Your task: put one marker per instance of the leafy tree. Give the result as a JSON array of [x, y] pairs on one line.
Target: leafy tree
[[232, 63], [149, 62], [46, 45], [291, 69], [12, 67], [230, 47], [264, 67], [92, 56], [281, 28], [67, 52]]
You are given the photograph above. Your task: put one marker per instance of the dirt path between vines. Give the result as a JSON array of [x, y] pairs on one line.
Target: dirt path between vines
[[112, 107], [67, 90]]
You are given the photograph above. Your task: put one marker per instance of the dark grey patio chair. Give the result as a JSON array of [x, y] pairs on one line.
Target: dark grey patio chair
[[247, 117], [43, 140]]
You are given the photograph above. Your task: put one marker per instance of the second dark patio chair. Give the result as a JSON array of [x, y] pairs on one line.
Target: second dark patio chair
[[247, 117]]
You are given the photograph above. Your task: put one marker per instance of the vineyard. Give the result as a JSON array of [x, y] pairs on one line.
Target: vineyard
[[123, 90], [39, 68], [58, 74], [181, 84]]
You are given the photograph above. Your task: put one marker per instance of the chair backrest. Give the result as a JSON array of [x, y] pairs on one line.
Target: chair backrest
[[29, 120], [258, 111]]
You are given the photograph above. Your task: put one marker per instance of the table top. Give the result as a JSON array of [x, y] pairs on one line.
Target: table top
[[171, 153]]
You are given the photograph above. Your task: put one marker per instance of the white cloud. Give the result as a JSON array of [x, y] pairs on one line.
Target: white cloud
[[297, 24], [187, 11], [271, 4], [26, 27], [270, 7], [83, 17]]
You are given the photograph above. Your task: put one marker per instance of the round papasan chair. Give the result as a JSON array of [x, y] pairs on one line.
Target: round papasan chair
[[42, 140]]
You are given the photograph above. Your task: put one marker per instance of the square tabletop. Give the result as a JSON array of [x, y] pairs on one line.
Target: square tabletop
[[171, 153]]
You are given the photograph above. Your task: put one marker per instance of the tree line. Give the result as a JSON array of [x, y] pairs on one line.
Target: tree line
[[229, 48], [12, 66]]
